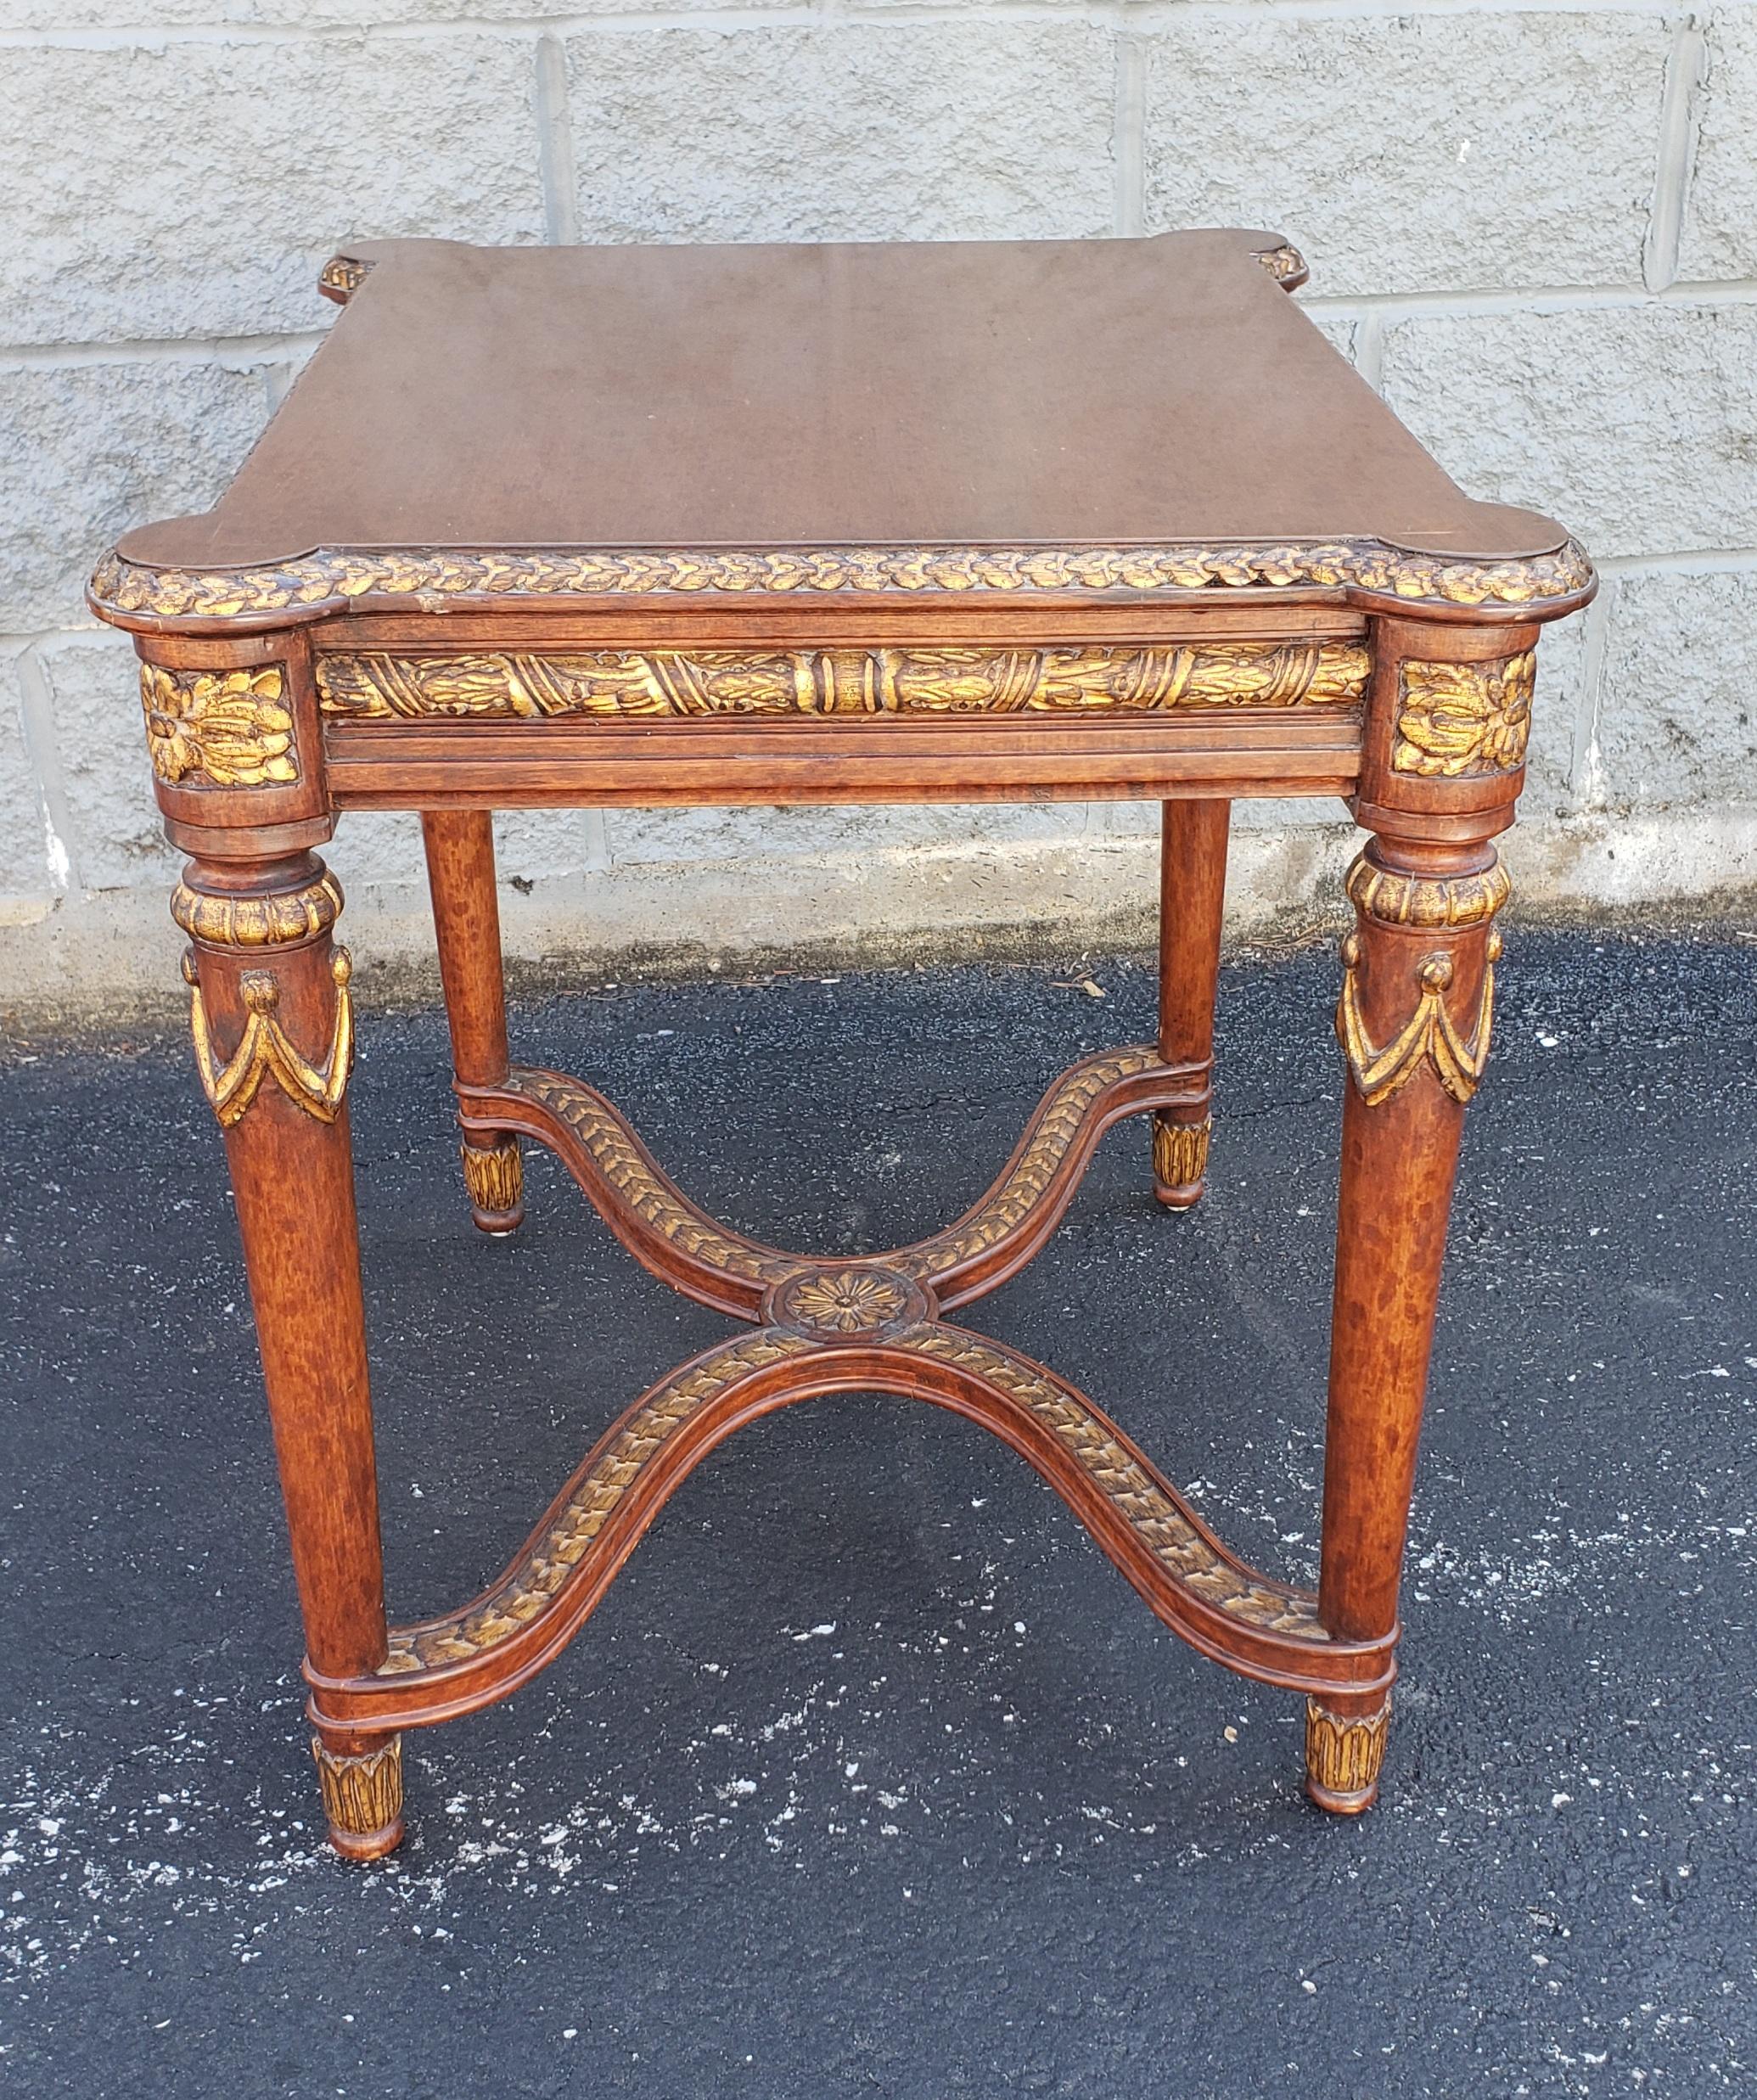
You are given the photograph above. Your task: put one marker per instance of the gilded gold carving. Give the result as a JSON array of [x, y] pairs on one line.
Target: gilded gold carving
[[341, 276], [494, 1176], [1396, 899], [615, 1150], [259, 921], [231, 728], [264, 1051], [1285, 264], [1176, 1544], [1180, 1151], [327, 577], [617, 682], [1023, 1187], [1185, 1553], [1459, 719], [363, 1794], [1343, 1755], [616, 1153], [843, 1302], [528, 1592], [1429, 1036]]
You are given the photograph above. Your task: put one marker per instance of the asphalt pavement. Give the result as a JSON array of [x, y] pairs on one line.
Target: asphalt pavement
[[871, 1777]]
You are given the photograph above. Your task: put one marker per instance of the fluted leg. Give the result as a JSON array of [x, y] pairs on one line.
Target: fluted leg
[[1192, 885], [273, 1030], [466, 918]]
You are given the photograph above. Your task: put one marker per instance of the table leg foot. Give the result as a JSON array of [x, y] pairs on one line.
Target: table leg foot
[[1180, 1159], [494, 1176], [1343, 1755], [362, 1797]]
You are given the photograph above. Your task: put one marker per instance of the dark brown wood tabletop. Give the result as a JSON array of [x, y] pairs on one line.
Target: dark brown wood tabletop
[[993, 394]]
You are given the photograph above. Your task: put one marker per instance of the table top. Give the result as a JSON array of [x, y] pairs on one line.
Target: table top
[[1013, 397]]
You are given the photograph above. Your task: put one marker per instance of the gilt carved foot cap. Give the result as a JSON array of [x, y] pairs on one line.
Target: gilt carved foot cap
[[494, 1176], [363, 1798], [1343, 1755], [1179, 1160]]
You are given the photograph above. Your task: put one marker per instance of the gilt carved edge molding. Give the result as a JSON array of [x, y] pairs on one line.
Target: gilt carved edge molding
[[327, 577], [1285, 264], [343, 275], [617, 682]]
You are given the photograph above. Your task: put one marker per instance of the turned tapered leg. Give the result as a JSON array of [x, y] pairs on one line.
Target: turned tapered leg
[[273, 1031], [1193, 888], [466, 920], [1414, 1020]]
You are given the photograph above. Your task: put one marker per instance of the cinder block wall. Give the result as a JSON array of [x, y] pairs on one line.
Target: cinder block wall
[[1533, 227]]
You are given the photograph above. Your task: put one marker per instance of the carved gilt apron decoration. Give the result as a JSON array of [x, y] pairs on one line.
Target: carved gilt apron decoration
[[844, 681]]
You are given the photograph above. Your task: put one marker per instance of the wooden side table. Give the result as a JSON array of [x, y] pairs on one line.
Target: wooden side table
[[852, 524]]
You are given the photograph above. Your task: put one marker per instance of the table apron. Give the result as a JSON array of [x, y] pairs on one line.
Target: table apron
[[498, 765]]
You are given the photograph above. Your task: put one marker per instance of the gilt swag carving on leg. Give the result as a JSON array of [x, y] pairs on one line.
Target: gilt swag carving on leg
[[1431, 1037], [266, 1052]]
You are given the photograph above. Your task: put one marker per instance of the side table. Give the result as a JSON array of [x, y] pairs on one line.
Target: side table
[[857, 524]]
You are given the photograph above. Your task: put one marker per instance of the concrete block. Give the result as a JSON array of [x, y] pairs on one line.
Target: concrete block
[[143, 16], [1719, 229], [1342, 331], [89, 450], [376, 847], [1677, 715], [1413, 152], [1557, 708], [26, 878], [867, 131], [1632, 425], [757, 835], [194, 187], [383, 847], [115, 839]]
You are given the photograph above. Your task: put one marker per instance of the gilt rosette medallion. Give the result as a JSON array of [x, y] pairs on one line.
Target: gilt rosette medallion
[[847, 1302]]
